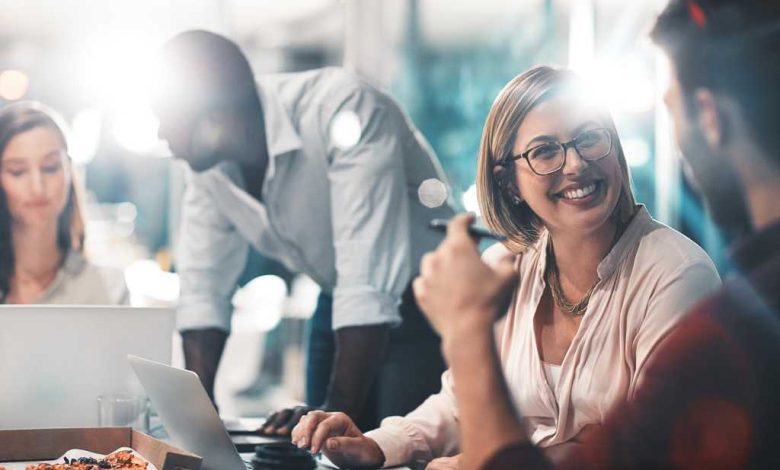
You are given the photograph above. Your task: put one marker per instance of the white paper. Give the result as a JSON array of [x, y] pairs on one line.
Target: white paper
[[71, 454]]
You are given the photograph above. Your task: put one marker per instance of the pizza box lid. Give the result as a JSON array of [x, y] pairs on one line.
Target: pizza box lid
[[48, 444]]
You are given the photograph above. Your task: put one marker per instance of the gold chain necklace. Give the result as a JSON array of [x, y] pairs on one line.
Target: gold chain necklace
[[553, 280], [552, 277]]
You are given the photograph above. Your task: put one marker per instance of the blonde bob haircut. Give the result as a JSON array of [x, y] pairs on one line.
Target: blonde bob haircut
[[518, 222]]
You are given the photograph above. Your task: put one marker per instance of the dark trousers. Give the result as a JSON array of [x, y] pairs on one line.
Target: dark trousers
[[410, 373]]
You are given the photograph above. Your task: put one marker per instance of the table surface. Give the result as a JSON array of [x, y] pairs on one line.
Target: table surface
[[323, 463]]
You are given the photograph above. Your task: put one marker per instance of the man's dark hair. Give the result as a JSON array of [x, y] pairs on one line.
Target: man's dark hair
[[207, 71], [731, 47]]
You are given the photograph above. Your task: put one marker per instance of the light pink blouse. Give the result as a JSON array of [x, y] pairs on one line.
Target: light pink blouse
[[649, 279]]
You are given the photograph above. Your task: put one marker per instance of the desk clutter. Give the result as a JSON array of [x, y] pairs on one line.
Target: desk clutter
[[103, 448]]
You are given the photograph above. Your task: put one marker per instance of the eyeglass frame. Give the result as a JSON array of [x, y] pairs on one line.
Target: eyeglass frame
[[565, 146]]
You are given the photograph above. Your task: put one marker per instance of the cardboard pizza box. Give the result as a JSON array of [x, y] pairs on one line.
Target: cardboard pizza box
[[48, 444]]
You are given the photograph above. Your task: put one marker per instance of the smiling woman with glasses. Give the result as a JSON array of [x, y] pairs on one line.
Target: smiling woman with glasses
[[595, 282]]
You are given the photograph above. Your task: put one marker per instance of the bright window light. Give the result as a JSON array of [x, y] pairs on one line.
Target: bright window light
[[85, 135], [637, 152], [582, 36], [119, 69], [136, 130], [149, 285], [258, 305], [469, 200], [625, 87]]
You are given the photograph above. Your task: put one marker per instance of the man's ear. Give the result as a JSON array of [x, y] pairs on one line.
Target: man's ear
[[711, 118], [507, 184]]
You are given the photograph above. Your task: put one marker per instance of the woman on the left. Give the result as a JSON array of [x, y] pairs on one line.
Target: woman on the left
[[41, 226]]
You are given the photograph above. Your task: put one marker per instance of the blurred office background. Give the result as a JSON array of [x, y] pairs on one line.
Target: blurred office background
[[444, 60]]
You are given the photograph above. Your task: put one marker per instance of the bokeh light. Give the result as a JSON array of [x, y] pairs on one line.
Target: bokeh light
[[432, 193], [345, 130], [13, 85]]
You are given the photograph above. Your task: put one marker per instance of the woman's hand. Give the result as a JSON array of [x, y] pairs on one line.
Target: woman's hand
[[337, 436], [444, 463], [458, 292]]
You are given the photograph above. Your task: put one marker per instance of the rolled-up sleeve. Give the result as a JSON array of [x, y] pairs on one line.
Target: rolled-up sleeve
[[210, 258], [370, 210]]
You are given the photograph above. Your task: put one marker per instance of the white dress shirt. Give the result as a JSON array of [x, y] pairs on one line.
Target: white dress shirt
[[79, 282], [646, 284], [346, 215]]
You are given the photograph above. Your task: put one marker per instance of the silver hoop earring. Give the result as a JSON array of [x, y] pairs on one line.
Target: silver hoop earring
[[516, 200]]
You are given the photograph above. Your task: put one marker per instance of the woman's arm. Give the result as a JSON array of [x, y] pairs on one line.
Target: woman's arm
[[427, 432]]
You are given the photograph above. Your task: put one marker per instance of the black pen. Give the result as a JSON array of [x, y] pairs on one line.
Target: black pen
[[475, 231]]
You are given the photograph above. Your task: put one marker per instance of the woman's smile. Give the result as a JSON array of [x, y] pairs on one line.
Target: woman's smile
[[582, 194]]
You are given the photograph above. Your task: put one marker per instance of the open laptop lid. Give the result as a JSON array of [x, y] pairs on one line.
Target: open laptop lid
[[56, 360], [187, 413]]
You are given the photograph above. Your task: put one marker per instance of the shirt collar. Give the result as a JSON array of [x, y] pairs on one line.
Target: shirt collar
[[750, 252], [628, 240], [281, 136]]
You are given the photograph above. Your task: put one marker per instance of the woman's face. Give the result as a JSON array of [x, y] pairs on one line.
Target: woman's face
[[35, 176], [582, 195]]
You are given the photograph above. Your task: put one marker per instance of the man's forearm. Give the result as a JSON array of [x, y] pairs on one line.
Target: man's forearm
[[487, 417], [360, 352], [202, 352]]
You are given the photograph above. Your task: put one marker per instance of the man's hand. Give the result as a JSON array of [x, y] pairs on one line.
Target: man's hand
[[336, 435], [444, 463], [202, 352], [359, 353], [283, 421], [457, 291]]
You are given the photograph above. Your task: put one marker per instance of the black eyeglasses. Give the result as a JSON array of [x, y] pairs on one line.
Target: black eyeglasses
[[547, 158]]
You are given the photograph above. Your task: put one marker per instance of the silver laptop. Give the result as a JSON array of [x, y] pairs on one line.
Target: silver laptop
[[188, 415], [192, 421], [56, 360]]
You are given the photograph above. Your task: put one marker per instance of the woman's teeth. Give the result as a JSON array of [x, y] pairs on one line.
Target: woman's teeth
[[579, 193]]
